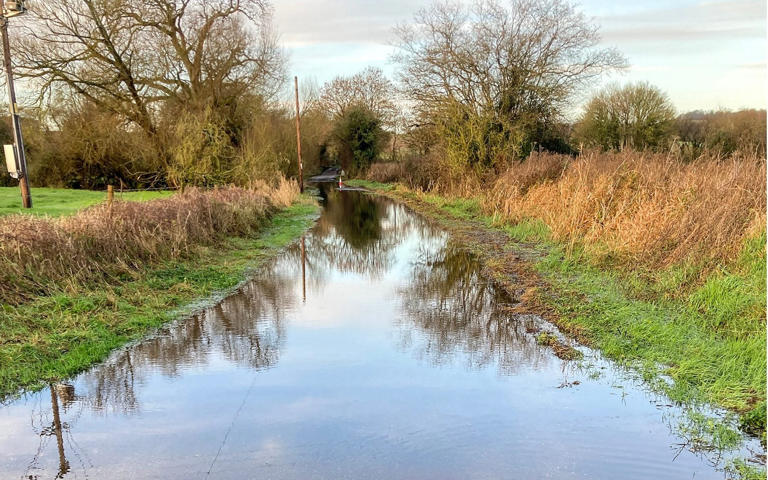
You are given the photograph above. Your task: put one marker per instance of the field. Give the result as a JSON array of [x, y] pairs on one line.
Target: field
[[55, 202]]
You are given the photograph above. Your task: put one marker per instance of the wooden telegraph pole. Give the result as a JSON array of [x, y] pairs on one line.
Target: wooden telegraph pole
[[298, 134], [18, 140]]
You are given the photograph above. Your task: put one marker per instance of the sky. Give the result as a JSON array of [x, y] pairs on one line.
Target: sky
[[704, 54]]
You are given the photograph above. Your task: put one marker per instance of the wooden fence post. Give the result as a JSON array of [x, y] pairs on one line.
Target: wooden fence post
[[110, 197]]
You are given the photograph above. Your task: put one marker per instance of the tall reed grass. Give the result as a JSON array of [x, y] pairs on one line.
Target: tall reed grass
[[40, 255], [642, 210]]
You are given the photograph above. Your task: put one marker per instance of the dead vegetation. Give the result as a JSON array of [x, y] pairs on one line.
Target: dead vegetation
[[41, 255], [386, 172], [640, 209]]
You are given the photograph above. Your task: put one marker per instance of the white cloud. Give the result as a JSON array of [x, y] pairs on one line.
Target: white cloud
[[686, 47], [308, 22], [685, 26]]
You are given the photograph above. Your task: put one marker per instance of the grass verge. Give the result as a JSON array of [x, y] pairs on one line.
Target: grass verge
[[59, 335], [55, 202], [684, 346]]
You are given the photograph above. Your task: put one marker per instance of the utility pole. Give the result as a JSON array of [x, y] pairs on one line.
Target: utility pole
[[18, 140], [298, 134]]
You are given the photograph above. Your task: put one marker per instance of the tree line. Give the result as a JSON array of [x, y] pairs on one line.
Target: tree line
[[191, 92]]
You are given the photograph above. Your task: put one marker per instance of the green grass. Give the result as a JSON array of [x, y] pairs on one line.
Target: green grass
[[60, 335], [369, 184], [55, 202], [709, 340]]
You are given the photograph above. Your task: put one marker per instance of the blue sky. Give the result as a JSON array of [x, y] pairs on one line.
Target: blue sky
[[704, 54]]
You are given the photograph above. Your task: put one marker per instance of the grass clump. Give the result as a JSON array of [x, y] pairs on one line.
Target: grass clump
[[560, 349], [369, 184]]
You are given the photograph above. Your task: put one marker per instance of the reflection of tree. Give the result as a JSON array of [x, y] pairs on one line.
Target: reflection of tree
[[350, 236], [459, 311], [358, 233], [355, 217], [246, 328], [62, 398]]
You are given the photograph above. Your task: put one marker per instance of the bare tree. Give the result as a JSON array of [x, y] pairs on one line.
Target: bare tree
[[369, 88], [128, 57], [522, 57]]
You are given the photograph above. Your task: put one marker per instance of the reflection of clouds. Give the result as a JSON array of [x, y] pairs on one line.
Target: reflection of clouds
[[270, 448], [457, 311], [308, 407]]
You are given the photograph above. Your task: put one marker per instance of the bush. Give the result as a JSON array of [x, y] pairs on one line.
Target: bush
[[202, 153], [359, 137], [722, 132], [83, 147]]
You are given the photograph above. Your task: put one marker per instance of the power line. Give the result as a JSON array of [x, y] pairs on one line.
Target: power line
[[226, 435]]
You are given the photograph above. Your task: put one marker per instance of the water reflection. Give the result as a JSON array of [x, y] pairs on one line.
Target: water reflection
[[246, 330], [456, 310], [359, 233], [62, 398], [301, 374]]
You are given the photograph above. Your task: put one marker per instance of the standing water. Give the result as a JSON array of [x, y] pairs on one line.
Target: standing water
[[373, 348]]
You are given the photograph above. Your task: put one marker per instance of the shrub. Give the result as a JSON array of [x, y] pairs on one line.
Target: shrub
[[359, 137], [722, 132]]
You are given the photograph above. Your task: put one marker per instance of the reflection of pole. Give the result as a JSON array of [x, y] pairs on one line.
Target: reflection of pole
[[21, 159], [298, 136], [63, 463], [303, 270]]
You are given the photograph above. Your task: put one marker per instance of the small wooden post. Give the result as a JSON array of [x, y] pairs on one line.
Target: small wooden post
[[298, 135], [110, 198]]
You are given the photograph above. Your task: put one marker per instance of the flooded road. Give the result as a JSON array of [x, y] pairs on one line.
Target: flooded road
[[374, 348]]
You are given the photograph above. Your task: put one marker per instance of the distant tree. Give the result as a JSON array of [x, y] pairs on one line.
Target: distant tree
[[369, 88], [637, 115], [723, 132], [359, 138]]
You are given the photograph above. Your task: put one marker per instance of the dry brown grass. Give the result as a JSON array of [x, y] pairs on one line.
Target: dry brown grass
[[644, 209], [386, 172], [41, 255]]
